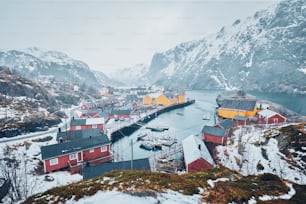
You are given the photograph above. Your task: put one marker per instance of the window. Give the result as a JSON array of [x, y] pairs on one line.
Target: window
[[91, 150], [94, 126], [103, 148], [53, 161], [73, 156], [78, 127]]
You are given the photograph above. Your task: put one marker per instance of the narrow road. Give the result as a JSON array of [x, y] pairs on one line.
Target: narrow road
[[22, 137]]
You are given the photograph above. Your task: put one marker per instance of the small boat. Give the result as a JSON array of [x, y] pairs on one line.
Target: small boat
[[147, 146], [141, 136], [158, 129], [206, 116], [150, 146], [180, 114]]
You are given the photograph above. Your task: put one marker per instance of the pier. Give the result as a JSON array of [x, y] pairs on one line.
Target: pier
[[129, 129]]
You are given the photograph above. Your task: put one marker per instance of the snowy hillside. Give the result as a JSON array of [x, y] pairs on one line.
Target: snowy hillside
[[35, 62], [132, 76], [266, 51], [254, 150]]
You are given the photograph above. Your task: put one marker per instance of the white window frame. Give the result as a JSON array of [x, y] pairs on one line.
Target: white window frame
[[73, 156], [95, 126], [78, 127], [104, 149], [91, 150], [53, 161]]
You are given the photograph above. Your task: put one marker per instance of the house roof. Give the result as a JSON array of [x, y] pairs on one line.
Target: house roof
[[268, 113], [241, 118], [192, 152], [77, 122], [154, 95], [98, 170], [220, 132], [79, 134], [55, 150], [120, 112], [238, 104], [226, 123], [95, 121]]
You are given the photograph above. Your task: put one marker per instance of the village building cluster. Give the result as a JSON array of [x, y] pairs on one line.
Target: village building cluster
[[86, 146], [88, 140], [231, 113]]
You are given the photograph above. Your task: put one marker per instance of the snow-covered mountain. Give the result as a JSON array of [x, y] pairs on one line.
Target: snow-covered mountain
[[266, 51], [104, 80], [34, 62], [135, 75]]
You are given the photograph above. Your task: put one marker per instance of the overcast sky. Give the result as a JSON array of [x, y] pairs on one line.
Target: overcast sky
[[113, 34]]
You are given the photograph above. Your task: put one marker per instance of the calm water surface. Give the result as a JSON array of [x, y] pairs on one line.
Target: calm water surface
[[189, 120]]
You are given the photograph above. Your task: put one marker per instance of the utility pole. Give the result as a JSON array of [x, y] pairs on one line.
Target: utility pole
[[132, 154]]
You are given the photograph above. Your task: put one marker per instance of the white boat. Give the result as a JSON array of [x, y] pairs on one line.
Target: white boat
[[206, 116]]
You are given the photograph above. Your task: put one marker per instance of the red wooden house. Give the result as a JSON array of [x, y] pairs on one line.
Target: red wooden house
[[215, 134], [270, 117], [241, 120], [75, 154], [219, 133], [89, 123], [196, 155], [225, 124]]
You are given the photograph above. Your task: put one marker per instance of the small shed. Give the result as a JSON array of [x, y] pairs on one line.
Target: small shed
[[241, 120], [270, 117], [196, 154], [226, 124], [214, 134]]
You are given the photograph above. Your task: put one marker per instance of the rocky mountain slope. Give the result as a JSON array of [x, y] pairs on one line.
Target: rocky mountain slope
[[264, 52], [24, 105], [35, 62], [132, 76]]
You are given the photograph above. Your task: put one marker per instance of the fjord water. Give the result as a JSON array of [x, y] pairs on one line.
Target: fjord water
[[188, 120], [294, 102]]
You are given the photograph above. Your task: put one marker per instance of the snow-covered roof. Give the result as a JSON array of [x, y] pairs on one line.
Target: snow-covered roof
[[192, 152], [268, 113], [95, 121], [155, 95]]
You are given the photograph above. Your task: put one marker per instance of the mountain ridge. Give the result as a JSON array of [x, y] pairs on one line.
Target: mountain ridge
[[34, 62], [264, 52]]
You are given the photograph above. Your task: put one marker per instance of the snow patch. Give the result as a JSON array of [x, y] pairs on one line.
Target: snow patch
[[115, 197], [212, 182], [303, 70], [284, 196]]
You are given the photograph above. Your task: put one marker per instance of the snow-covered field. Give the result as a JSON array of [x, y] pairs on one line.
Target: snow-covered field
[[249, 153], [115, 197], [28, 160]]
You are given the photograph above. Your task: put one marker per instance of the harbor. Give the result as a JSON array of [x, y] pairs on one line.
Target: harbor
[[128, 128]]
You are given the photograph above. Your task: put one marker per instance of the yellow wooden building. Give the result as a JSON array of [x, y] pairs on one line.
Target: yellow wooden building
[[163, 99], [231, 108]]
